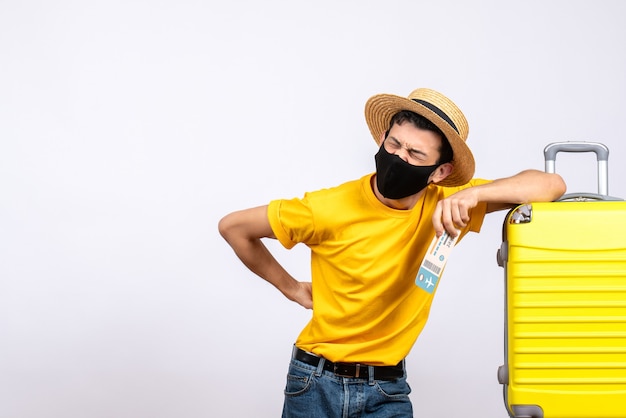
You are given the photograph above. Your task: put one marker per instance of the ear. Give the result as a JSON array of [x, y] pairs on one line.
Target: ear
[[441, 172]]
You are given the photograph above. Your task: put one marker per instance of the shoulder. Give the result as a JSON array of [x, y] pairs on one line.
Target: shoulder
[[344, 191], [325, 199]]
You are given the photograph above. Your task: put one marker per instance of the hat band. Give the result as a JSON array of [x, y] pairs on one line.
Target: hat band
[[439, 113]]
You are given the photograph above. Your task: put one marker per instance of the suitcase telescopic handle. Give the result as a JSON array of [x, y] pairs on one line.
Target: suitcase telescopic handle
[[602, 154]]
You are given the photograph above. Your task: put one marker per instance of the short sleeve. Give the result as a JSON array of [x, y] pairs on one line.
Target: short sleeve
[[291, 221]]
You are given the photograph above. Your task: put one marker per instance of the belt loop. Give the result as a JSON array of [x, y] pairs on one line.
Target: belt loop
[[320, 367], [370, 373]]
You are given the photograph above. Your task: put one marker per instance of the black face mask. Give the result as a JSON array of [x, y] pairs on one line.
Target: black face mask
[[397, 179]]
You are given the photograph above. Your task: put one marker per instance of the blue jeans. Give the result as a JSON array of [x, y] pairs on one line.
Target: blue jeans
[[312, 392]]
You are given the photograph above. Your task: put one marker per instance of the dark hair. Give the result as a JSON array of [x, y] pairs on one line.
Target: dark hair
[[419, 121]]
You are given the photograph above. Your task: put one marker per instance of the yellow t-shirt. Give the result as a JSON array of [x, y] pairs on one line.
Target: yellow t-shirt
[[364, 260]]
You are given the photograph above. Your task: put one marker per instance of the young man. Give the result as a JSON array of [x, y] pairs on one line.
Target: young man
[[367, 239]]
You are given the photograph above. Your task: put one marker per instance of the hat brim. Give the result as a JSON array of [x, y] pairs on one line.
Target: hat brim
[[381, 108]]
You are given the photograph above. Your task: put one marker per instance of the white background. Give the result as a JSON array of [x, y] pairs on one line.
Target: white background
[[129, 128]]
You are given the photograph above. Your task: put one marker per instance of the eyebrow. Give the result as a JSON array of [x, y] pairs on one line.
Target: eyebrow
[[411, 149]]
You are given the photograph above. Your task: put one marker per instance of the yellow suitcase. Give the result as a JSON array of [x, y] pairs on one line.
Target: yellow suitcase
[[565, 329]]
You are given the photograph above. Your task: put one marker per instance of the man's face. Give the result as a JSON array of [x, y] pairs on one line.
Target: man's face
[[414, 145]]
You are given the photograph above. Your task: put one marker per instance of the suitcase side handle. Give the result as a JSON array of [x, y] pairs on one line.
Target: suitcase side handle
[[602, 155]]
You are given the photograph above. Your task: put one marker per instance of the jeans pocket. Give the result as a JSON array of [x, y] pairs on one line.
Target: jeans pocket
[[393, 389], [298, 381]]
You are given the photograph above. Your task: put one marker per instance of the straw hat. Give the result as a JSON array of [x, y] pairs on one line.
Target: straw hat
[[435, 107]]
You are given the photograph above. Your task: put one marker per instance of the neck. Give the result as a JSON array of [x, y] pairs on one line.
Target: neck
[[405, 203]]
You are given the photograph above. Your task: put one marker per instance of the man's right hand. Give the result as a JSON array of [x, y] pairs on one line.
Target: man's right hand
[[243, 230], [302, 294]]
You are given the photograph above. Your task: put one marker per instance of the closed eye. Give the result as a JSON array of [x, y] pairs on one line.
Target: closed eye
[[393, 143], [417, 155]]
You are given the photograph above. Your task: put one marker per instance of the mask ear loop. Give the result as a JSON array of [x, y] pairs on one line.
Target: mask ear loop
[[440, 167]]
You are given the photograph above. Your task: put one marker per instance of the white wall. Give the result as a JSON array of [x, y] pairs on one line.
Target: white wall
[[129, 128]]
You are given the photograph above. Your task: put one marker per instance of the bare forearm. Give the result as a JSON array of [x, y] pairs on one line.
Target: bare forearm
[[243, 231], [527, 186], [256, 257]]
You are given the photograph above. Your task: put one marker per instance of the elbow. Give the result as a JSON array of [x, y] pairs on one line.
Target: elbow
[[224, 226]]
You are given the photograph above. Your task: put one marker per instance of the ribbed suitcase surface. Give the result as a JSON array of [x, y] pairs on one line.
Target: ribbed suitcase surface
[[566, 310], [565, 271]]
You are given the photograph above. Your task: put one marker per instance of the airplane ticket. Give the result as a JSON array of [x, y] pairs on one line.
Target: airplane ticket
[[434, 261]]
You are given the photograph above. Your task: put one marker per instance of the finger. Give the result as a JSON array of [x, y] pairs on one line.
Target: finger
[[459, 216], [308, 295], [451, 229], [450, 219], [449, 216]]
